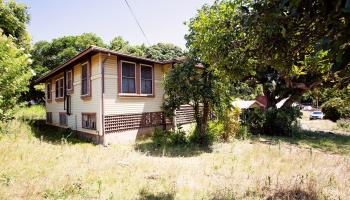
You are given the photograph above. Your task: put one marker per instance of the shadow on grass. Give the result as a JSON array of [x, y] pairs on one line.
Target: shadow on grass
[[160, 196], [324, 141], [152, 149], [53, 134], [294, 194]]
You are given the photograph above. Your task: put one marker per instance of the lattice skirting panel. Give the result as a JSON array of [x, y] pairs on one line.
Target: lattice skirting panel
[[185, 114], [123, 122]]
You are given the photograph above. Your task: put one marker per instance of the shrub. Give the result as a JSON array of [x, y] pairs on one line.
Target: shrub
[[177, 137], [272, 121], [330, 109], [344, 124], [208, 139], [254, 119], [216, 129], [159, 137], [243, 133], [231, 123]]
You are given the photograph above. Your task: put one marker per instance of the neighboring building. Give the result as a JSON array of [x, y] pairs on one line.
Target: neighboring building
[[247, 104], [259, 102], [107, 96]]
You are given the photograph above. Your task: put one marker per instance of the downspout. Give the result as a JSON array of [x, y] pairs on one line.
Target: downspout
[[102, 97]]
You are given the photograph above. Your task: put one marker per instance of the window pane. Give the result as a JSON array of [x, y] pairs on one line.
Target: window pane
[[131, 84], [125, 85], [146, 87], [128, 85], [84, 87], [128, 70], [84, 71], [146, 72], [56, 89]]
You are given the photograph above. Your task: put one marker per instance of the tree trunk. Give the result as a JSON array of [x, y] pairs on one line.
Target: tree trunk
[[270, 99]]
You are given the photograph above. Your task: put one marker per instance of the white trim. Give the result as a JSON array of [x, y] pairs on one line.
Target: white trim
[[121, 76], [145, 94]]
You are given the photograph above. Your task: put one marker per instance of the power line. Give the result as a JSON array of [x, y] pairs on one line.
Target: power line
[[137, 21]]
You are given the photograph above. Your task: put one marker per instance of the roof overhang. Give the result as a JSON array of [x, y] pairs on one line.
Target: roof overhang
[[92, 50]]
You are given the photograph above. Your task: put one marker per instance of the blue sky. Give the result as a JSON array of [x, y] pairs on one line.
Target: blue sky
[[162, 20]]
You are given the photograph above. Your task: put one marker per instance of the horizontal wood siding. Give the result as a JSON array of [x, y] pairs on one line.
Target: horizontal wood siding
[[79, 105], [114, 104]]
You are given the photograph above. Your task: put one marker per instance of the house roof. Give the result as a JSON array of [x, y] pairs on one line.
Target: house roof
[[245, 104], [96, 49]]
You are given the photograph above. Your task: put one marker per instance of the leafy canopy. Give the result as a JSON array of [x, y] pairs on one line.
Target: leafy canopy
[[14, 76], [13, 21], [289, 47]]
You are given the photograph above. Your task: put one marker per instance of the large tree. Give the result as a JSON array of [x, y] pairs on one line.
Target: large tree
[[14, 60], [290, 47], [14, 76], [199, 86], [13, 21], [160, 51], [163, 51], [48, 55]]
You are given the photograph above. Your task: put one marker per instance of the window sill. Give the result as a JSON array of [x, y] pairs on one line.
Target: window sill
[[134, 95], [49, 100], [71, 91], [85, 97], [61, 99]]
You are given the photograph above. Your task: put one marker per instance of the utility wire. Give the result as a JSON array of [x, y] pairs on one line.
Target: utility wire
[[137, 21]]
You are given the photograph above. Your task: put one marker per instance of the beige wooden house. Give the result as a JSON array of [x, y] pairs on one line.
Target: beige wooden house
[[108, 97]]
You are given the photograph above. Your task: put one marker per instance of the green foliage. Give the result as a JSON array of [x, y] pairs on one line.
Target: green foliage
[[286, 47], [170, 138], [13, 21], [336, 108], [216, 128], [200, 87], [118, 44], [230, 120], [163, 51], [14, 76], [272, 121], [160, 51], [205, 140], [48, 55], [344, 124]]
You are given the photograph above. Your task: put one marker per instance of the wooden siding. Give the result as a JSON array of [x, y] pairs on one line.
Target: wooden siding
[[79, 105], [115, 105]]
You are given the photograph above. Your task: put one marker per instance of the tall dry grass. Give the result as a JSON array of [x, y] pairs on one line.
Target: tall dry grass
[[34, 168]]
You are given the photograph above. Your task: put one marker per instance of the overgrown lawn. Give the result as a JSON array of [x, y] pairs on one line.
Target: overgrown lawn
[[35, 165]]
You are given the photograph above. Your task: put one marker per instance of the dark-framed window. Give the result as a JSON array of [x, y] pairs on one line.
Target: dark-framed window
[[89, 121], [85, 76], [146, 79], [48, 91], [69, 80], [63, 119], [59, 88], [128, 77], [49, 117]]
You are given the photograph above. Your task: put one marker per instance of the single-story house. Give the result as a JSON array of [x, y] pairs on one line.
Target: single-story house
[[109, 97]]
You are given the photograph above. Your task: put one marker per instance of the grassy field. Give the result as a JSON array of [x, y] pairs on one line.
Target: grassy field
[[39, 162]]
